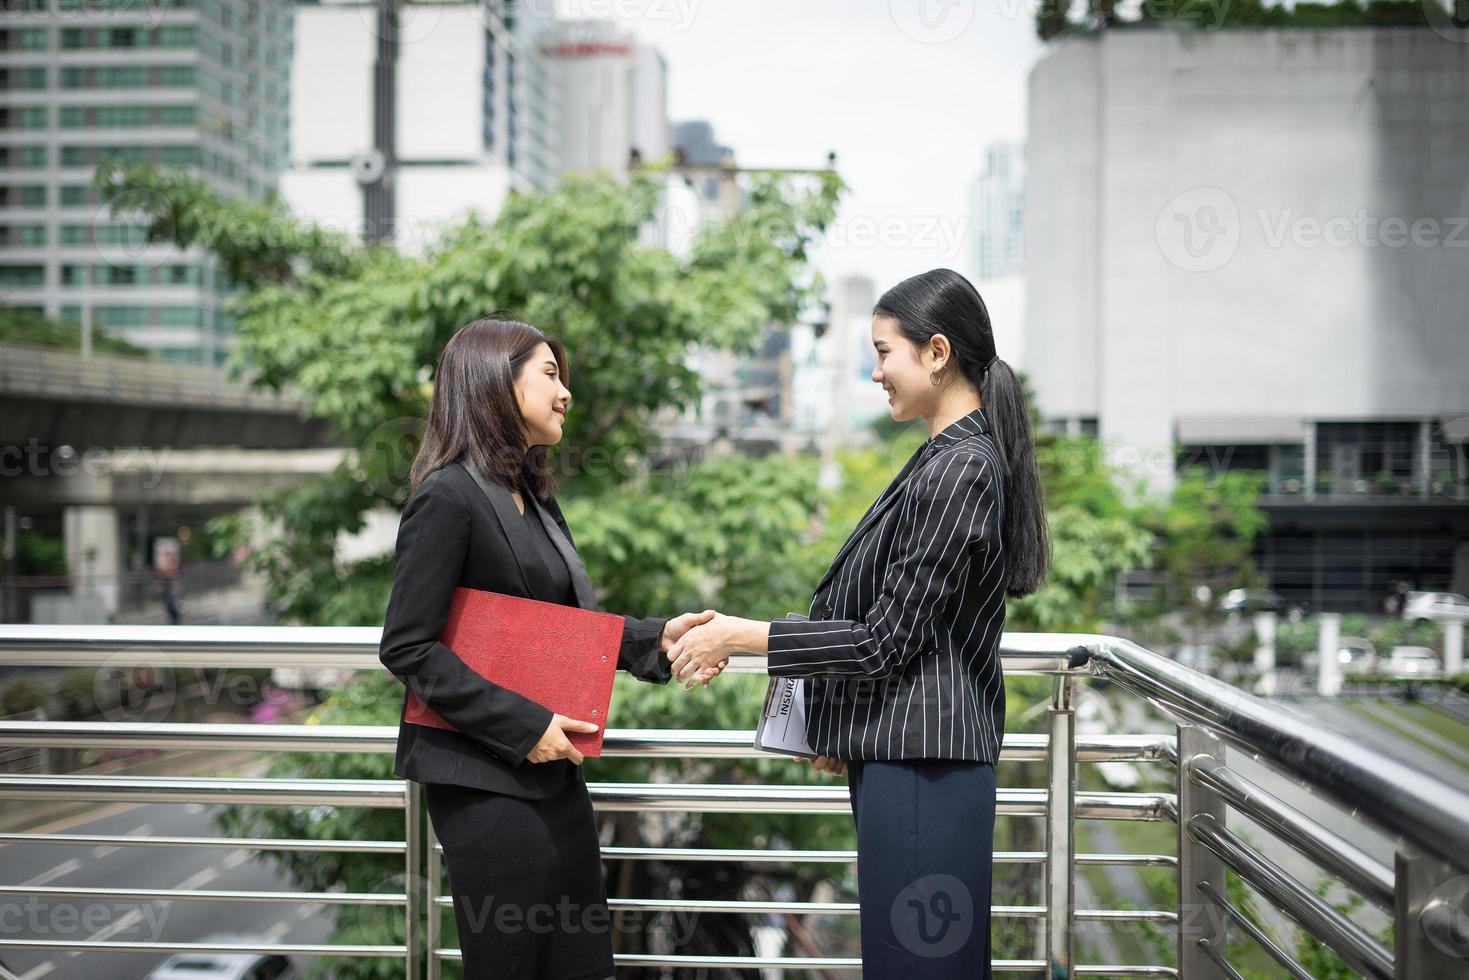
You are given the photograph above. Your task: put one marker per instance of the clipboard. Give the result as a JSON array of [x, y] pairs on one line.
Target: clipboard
[[782, 727]]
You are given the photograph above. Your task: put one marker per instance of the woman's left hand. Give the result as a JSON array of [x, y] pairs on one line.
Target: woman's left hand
[[704, 647]]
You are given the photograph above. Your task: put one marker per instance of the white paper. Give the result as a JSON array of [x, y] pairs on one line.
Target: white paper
[[783, 719], [782, 727]]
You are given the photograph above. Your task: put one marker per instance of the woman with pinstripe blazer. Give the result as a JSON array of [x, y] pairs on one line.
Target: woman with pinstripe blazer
[[901, 650]]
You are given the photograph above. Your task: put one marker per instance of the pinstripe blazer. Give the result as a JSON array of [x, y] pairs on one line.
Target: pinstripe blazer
[[901, 650]]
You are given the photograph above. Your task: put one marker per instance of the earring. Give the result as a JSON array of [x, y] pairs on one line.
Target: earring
[[933, 378]]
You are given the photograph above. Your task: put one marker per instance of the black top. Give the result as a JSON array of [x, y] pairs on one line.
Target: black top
[[560, 576], [903, 644], [454, 534]]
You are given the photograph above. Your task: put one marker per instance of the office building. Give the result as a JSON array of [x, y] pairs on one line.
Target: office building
[[473, 115], [614, 96], [200, 85], [1259, 263]]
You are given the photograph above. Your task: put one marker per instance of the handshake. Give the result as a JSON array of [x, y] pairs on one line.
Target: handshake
[[699, 645]]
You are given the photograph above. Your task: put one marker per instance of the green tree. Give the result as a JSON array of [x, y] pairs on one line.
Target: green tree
[[1205, 531], [357, 329]]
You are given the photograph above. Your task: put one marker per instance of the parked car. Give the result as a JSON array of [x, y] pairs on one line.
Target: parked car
[[1240, 601], [1413, 662], [1435, 607], [1356, 655], [225, 966]]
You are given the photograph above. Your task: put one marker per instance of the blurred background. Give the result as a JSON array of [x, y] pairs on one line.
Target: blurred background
[[1226, 242]]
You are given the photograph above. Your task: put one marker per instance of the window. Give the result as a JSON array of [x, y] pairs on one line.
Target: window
[[120, 316], [21, 276], [27, 235], [181, 275], [118, 275], [181, 316], [22, 78], [73, 117], [129, 76], [33, 39], [176, 37], [176, 115], [125, 234], [31, 196], [75, 195], [23, 157], [176, 75], [121, 115], [180, 156]]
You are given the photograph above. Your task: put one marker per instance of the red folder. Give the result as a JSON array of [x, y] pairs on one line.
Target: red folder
[[561, 657]]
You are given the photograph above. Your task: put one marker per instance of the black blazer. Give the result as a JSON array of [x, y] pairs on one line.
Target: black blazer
[[453, 533], [902, 645]]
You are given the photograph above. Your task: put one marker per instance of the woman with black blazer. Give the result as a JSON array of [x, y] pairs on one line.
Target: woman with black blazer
[[901, 650], [505, 790]]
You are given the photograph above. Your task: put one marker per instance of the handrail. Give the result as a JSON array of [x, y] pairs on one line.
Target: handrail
[[382, 739], [345, 647], [1425, 818], [1399, 799]]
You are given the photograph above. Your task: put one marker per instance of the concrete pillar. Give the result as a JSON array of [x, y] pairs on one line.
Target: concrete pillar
[[94, 552], [1453, 647], [1328, 671], [1265, 651]]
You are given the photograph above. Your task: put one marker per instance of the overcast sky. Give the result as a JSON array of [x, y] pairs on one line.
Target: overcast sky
[[907, 92]]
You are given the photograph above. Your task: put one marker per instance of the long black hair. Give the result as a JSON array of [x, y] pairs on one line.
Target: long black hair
[[944, 302], [474, 410]]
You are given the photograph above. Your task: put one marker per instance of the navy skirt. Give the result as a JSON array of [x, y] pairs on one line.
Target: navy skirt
[[925, 843]]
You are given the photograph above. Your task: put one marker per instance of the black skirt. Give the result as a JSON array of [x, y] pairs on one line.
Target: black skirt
[[526, 876]]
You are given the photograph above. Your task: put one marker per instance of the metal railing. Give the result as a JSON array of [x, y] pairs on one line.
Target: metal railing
[[1426, 818]]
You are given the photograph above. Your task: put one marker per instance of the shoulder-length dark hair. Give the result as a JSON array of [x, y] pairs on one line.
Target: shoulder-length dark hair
[[944, 302], [475, 411]]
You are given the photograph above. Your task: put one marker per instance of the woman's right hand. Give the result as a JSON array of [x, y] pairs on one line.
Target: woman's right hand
[[555, 745]]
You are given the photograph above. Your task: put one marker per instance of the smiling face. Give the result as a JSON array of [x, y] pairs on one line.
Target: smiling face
[[903, 370], [543, 398]]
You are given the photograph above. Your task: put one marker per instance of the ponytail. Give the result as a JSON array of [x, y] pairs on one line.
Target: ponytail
[[1026, 534], [943, 301]]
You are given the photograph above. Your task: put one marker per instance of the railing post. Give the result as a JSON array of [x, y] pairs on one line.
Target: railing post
[[1431, 920], [1061, 833], [1200, 922], [435, 878], [413, 920]]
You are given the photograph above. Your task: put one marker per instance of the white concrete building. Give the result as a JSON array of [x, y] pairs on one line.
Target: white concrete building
[[475, 113], [614, 96], [1250, 245]]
